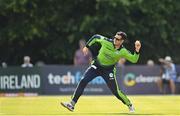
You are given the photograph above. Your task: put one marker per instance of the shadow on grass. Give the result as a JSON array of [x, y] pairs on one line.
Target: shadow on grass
[[110, 114], [89, 114]]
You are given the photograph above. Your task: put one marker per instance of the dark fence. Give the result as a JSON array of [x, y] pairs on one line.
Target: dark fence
[[62, 80]]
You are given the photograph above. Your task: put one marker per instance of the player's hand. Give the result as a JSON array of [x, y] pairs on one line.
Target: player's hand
[[85, 50], [137, 45]]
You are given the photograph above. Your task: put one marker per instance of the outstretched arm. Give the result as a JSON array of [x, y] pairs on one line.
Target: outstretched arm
[[95, 41]]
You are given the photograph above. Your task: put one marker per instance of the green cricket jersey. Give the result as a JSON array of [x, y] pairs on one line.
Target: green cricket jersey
[[108, 55]]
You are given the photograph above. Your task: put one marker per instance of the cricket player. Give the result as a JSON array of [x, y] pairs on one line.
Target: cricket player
[[109, 53]]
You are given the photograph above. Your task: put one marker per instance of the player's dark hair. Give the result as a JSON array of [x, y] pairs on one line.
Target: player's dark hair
[[122, 34]]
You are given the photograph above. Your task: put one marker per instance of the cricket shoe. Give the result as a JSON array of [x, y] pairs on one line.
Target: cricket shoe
[[68, 105], [131, 109]]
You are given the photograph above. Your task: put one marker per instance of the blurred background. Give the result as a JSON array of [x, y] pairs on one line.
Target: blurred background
[[41, 45], [49, 31]]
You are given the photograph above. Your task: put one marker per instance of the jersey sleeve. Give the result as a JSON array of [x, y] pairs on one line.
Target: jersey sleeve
[[129, 56], [95, 39]]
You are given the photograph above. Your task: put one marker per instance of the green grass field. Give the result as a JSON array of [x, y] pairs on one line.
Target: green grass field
[[89, 106]]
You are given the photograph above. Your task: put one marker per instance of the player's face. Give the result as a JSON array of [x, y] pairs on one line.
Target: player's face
[[118, 40]]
